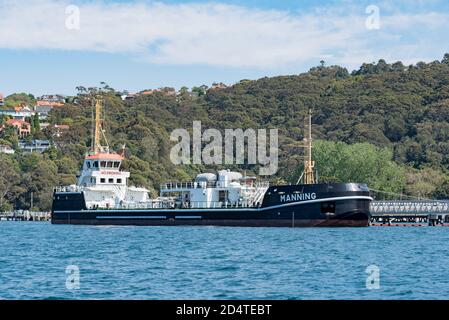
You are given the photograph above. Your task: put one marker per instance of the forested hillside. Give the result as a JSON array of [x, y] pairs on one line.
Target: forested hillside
[[384, 124]]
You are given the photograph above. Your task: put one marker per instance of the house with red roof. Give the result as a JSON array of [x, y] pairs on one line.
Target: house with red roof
[[52, 104], [23, 127], [58, 129]]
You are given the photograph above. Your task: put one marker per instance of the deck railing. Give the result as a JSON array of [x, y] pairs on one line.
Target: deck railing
[[219, 205], [211, 184], [172, 204], [72, 188]]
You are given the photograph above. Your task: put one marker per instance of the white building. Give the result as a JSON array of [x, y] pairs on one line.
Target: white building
[[6, 149]]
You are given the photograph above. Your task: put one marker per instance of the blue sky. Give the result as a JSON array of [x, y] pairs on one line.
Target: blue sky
[[135, 45]]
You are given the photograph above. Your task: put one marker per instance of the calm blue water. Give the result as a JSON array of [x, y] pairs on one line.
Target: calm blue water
[[221, 263]]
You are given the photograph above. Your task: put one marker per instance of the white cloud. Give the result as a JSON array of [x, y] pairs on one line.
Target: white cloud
[[218, 34]]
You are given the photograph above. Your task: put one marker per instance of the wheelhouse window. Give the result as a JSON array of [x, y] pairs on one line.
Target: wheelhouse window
[[116, 164], [95, 164], [103, 164], [109, 164]]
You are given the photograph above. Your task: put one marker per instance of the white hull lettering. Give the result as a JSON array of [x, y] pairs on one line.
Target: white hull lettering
[[297, 197]]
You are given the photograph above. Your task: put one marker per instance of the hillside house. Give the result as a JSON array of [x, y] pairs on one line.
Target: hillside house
[[23, 128], [34, 146], [18, 113], [218, 86], [49, 103], [43, 111], [53, 98], [59, 129], [129, 96], [6, 149], [22, 108]]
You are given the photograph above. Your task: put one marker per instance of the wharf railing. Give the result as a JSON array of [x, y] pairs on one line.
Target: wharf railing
[[25, 216], [409, 213], [409, 207]]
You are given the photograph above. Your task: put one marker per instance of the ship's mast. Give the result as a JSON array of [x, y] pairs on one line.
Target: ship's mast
[[308, 176], [309, 164], [99, 130]]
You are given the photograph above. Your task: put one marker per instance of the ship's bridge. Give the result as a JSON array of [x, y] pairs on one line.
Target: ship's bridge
[[103, 169], [111, 161]]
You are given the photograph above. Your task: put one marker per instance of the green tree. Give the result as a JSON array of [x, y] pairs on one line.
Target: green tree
[[9, 182], [361, 162], [36, 125], [19, 98], [442, 191]]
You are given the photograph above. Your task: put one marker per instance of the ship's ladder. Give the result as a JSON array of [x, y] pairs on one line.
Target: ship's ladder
[[119, 191]]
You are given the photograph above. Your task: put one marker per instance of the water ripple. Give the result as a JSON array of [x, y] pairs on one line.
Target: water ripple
[[221, 263]]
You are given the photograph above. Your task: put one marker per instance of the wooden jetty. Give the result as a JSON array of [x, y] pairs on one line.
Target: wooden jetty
[[25, 215]]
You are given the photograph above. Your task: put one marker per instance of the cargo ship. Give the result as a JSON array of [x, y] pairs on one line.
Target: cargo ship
[[102, 196]]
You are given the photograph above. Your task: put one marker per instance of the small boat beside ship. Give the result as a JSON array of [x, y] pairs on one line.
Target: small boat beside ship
[[102, 196]]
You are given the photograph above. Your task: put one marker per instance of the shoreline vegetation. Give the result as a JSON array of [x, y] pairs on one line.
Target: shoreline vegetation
[[384, 124]]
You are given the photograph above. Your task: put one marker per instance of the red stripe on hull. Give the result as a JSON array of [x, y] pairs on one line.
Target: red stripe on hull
[[228, 223]]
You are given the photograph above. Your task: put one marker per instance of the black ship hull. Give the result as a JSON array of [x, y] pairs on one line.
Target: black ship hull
[[320, 205]]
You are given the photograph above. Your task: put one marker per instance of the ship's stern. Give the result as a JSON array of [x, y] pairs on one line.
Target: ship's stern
[[64, 203]]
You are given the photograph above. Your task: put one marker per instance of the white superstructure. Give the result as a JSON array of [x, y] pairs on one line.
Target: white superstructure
[[208, 190], [102, 180], [105, 184]]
